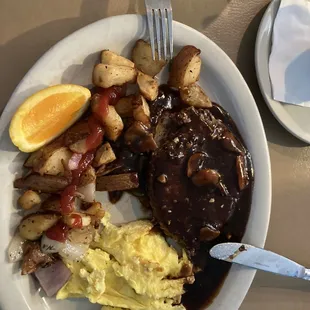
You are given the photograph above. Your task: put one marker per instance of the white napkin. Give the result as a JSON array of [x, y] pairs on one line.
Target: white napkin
[[289, 63]]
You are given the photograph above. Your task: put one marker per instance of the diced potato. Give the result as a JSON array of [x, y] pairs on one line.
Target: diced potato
[[71, 219], [141, 110], [83, 235], [111, 121], [148, 86], [96, 209], [195, 96], [88, 176], [113, 124], [142, 57], [109, 75], [124, 106], [185, 67], [50, 159], [79, 131], [96, 212], [104, 155], [29, 199], [111, 58], [33, 226], [52, 203], [79, 147], [54, 164]]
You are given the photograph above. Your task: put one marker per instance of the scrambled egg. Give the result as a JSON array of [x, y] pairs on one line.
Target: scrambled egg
[[130, 267]]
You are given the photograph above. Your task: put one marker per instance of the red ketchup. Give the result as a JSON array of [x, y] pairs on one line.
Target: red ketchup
[[96, 133], [67, 199], [108, 96], [68, 195], [77, 221], [58, 232], [83, 164]]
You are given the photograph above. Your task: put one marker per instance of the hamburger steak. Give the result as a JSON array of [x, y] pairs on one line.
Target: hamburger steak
[[199, 171]]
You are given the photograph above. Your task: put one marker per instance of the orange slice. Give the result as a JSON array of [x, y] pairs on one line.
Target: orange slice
[[47, 114]]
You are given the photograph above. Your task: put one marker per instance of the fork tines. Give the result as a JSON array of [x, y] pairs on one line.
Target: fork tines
[[159, 17]]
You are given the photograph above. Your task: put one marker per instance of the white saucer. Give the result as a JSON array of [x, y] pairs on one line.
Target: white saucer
[[294, 119]]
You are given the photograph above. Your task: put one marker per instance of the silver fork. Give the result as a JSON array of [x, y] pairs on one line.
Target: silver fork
[[160, 11]]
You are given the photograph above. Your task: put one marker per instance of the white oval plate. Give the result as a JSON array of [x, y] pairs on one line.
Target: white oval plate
[[72, 61], [294, 119]]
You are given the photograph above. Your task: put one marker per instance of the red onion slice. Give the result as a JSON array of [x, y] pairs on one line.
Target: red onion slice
[[53, 277], [74, 161]]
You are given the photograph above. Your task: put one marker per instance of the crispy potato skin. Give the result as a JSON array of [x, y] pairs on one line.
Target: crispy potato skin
[[111, 58], [185, 68], [148, 86], [33, 226], [193, 95], [110, 75], [142, 57]]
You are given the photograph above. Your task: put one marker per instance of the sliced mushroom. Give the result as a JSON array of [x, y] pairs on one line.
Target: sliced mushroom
[[230, 143], [195, 163], [243, 177], [162, 178], [206, 177], [222, 187], [209, 233]]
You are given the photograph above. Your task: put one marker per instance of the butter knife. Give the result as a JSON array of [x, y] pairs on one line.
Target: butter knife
[[250, 256]]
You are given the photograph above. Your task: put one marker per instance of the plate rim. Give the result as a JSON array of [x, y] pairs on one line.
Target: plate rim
[[274, 5], [250, 273]]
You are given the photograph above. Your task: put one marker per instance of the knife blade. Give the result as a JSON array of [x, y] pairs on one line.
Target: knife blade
[[253, 257]]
